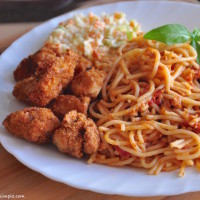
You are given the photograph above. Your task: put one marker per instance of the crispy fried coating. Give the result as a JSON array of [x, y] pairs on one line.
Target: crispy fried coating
[[82, 65], [65, 103], [77, 135], [25, 69], [33, 124], [48, 81], [43, 59], [88, 83], [37, 63], [23, 88]]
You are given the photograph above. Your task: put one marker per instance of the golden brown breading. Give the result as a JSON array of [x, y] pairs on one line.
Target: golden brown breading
[[77, 135], [48, 82], [65, 103], [88, 83], [37, 63], [33, 124], [91, 137], [25, 69], [43, 59], [23, 88], [82, 65]]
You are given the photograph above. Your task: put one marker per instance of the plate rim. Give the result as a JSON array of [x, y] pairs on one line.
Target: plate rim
[[67, 182]]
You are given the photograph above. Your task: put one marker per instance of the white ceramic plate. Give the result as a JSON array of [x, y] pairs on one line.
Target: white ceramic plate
[[77, 173]]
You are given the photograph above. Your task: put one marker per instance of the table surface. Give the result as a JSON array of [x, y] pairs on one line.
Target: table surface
[[17, 179]]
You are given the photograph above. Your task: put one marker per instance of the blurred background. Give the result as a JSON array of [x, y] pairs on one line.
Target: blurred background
[[35, 10], [41, 10]]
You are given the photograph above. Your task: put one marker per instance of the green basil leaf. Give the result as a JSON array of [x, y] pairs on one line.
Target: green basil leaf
[[196, 46], [196, 34], [197, 38], [169, 34]]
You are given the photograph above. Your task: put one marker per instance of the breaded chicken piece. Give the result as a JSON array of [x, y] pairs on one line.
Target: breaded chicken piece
[[88, 83], [33, 124], [65, 103], [82, 65], [39, 62], [48, 82], [25, 69], [23, 88], [36, 63], [77, 135]]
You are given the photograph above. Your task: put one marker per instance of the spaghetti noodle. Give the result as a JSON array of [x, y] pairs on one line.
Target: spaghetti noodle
[[149, 113]]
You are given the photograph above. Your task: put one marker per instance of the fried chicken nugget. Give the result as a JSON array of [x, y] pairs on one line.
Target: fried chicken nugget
[[39, 62], [65, 103], [48, 81], [88, 83], [33, 124], [77, 135], [36, 63], [82, 65], [25, 69], [23, 88]]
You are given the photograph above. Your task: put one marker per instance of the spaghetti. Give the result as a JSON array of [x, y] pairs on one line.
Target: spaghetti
[[149, 113]]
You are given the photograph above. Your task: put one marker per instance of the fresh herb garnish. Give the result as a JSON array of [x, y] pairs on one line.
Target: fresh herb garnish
[[196, 46], [176, 33]]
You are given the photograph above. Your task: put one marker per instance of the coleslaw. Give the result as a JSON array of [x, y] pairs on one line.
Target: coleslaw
[[93, 34]]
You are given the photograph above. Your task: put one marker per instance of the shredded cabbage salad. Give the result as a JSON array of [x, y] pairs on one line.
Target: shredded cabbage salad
[[92, 33]]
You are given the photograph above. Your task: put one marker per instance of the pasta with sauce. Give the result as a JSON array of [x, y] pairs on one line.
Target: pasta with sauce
[[148, 115]]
